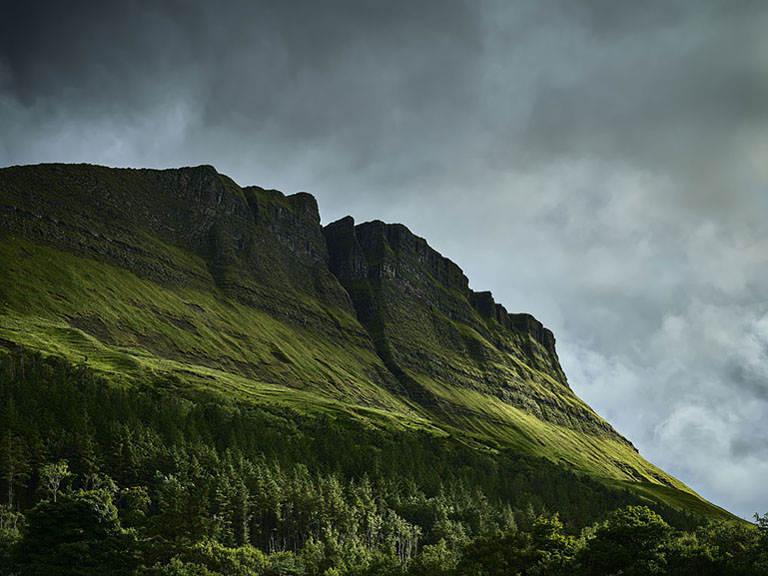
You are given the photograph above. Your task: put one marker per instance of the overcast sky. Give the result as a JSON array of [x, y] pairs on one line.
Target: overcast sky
[[600, 164]]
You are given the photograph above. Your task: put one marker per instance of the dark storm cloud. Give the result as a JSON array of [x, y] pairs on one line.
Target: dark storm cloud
[[670, 89], [601, 164], [359, 77]]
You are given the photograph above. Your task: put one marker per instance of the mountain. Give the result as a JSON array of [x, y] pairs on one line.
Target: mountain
[[242, 293]]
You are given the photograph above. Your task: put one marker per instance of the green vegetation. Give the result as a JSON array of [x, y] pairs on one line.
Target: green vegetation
[[129, 325], [165, 478], [144, 328], [198, 379], [474, 369]]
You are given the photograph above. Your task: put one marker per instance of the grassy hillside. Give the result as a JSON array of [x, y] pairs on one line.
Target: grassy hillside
[[142, 274]]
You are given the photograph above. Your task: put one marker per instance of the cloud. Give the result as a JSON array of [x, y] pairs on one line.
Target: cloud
[[694, 396]]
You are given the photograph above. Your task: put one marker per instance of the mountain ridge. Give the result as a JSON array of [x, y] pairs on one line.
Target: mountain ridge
[[241, 288]]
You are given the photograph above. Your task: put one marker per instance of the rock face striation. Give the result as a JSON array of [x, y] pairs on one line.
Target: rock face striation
[[187, 268], [251, 240], [195, 234], [432, 331]]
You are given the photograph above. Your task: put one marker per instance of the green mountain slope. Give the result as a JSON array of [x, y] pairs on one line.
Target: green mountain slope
[[181, 273]]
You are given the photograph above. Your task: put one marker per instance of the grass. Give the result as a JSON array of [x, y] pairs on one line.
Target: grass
[[49, 301]]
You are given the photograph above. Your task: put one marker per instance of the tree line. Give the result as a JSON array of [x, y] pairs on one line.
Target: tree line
[[165, 478]]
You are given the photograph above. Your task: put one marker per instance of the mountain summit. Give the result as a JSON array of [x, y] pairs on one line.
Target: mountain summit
[[241, 291]]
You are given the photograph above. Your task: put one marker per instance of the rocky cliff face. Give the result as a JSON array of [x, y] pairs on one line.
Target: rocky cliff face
[[196, 234], [251, 241], [432, 330], [423, 334]]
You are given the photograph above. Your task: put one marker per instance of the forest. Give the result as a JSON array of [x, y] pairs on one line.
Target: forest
[[160, 478]]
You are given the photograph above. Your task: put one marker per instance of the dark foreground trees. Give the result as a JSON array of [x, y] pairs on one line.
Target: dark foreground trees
[[81, 534], [77, 534], [633, 541], [163, 479]]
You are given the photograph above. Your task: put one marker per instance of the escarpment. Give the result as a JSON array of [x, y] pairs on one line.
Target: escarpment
[[367, 311], [433, 332], [251, 242], [231, 278]]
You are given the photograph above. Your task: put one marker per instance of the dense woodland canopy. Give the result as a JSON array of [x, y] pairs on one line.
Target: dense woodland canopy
[[163, 479]]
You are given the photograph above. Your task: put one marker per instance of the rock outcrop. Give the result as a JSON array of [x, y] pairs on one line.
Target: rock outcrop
[[252, 242], [194, 231], [400, 314], [433, 331]]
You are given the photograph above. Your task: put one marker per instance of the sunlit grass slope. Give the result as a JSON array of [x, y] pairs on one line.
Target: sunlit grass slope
[[122, 324]]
